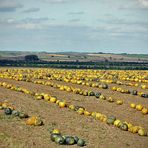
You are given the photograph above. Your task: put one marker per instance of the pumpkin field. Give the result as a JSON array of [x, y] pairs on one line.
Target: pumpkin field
[[49, 108]]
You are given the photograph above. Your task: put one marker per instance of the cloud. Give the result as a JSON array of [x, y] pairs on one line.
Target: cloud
[[144, 3], [29, 26], [9, 6], [35, 20], [27, 23], [134, 5], [31, 10]]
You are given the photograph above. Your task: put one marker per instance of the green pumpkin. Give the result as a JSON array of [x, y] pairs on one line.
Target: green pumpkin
[[15, 113], [124, 126], [76, 139], [91, 93], [59, 140], [53, 136], [1, 108], [97, 95], [81, 143], [8, 111], [134, 92], [104, 86], [23, 115], [70, 140], [111, 119]]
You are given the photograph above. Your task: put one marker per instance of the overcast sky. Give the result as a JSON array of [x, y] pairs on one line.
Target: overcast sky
[[116, 26]]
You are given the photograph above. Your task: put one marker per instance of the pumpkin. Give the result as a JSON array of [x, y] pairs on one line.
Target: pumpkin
[[86, 113], [135, 129], [142, 132], [53, 99], [139, 107], [110, 99], [1, 108], [117, 123], [76, 139], [134, 92], [39, 97], [46, 97], [57, 102], [124, 126], [56, 131], [8, 111], [91, 93], [34, 121], [38, 122], [111, 119], [80, 111], [5, 105], [104, 86], [114, 88], [132, 105], [93, 114], [144, 111], [85, 93], [102, 97], [79, 107], [97, 95], [59, 139], [70, 140], [72, 107], [81, 142], [62, 104], [98, 115], [144, 95], [119, 102], [15, 113], [23, 115], [31, 121]]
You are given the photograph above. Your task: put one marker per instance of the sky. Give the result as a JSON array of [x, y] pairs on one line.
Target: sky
[[110, 26]]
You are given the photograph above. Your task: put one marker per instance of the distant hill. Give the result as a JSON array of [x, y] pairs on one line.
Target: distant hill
[[73, 56]]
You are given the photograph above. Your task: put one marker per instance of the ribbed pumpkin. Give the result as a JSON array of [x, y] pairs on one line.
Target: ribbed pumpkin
[[59, 140], [81, 142], [70, 140], [8, 111], [144, 111], [34, 121]]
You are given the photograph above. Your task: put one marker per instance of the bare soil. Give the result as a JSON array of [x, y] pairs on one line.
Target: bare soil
[[14, 132]]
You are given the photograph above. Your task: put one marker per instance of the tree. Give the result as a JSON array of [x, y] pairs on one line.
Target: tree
[[31, 58]]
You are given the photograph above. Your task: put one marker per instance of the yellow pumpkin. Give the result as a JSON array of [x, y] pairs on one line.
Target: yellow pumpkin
[[31, 121], [139, 107], [117, 123], [56, 131], [46, 97], [86, 113], [53, 99], [132, 105], [142, 132], [72, 107], [119, 102], [144, 111], [62, 104]]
